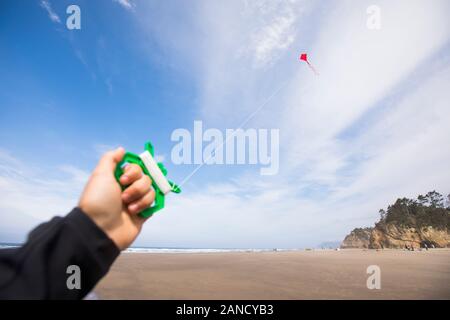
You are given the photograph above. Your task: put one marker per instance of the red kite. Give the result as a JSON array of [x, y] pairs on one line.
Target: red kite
[[304, 57]]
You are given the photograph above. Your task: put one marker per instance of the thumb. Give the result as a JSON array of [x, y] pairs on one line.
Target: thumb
[[110, 159]]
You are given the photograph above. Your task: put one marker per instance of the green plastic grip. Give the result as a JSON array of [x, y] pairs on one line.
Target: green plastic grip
[[131, 158]]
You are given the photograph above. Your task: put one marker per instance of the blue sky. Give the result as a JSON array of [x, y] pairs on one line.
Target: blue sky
[[371, 127]]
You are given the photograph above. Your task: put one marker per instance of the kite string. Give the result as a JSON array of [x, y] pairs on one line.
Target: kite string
[[249, 117]]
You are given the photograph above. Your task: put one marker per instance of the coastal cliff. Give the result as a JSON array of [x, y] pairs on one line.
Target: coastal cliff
[[358, 238], [392, 236], [408, 223]]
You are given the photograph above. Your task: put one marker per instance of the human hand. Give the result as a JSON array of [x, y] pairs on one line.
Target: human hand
[[114, 211]]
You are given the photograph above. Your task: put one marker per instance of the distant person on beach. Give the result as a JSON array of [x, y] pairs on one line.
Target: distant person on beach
[[88, 239]]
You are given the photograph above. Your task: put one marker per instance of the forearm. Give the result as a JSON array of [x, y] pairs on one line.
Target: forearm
[[38, 270]]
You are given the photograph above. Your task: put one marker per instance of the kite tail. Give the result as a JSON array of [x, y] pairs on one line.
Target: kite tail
[[312, 68]]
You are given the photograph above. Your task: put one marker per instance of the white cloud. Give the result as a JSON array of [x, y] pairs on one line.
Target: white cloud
[[223, 218], [233, 44], [127, 4], [361, 72], [274, 35], [31, 194], [405, 148], [51, 14], [330, 182]]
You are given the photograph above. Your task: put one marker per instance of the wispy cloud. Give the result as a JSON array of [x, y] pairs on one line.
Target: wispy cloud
[[276, 33], [127, 4], [51, 14], [32, 194]]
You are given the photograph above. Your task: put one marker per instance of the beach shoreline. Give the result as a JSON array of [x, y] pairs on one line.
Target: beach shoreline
[[298, 274]]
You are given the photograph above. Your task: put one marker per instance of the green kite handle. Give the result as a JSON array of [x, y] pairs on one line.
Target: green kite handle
[[131, 158]]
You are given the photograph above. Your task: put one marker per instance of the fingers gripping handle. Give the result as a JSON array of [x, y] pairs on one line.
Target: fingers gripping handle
[[155, 171], [130, 158]]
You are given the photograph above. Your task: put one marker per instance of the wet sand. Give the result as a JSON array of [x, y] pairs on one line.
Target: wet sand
[[318, 274]]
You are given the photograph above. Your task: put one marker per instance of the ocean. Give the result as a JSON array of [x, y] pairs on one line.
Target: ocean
[[175, 250], [200, 250], [9, 245]]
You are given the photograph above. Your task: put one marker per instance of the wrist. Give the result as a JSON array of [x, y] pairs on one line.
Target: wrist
[[84, 221], [102, 222]]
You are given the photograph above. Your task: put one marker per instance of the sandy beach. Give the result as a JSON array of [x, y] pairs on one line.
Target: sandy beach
[[316, 274]]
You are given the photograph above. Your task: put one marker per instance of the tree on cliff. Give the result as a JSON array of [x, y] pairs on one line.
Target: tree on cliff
[[432, 199], [448, 201], [428, 210], [407, 222]]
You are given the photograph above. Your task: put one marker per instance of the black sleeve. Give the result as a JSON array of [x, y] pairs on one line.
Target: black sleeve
[[39, 269]]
